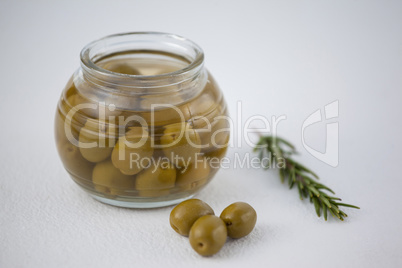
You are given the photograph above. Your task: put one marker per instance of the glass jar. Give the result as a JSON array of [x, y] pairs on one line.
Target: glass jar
[[141, 123]]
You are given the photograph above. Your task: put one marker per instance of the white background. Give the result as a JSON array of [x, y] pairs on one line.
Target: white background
[[276, 57]]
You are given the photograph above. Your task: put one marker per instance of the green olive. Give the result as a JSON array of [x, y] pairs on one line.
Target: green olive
[[186, 213], [240, 219], [181, 144], [217, 153], [75, 120], [208, 235], [203, 105], [158, 154], [109, 180], [164, 115], [73, 161], [132, 151], [64, 128], [214, 156], [89, 102], [193, 176], [157, 179], [112, 107], [83, 106], [130, 118], [218, 136], [100, 136]]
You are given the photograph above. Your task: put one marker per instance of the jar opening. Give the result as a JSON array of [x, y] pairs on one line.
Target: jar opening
[[189, 59], [143, 63]]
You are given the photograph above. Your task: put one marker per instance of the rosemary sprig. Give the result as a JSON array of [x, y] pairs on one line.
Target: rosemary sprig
[[279, 151]]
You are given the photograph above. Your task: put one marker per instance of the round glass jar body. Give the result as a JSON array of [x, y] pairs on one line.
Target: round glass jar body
[[141, 123]]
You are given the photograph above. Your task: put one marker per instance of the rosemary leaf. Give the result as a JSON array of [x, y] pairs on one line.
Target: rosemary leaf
[[299, 175], [317, 206]]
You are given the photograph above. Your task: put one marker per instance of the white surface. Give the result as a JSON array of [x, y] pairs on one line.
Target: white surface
[[277, 57]]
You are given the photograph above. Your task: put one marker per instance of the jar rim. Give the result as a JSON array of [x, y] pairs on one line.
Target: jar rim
[[196, 63]]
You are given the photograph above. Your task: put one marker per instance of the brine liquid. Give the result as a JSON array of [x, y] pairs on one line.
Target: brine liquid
[[98, 169], [147, 63]]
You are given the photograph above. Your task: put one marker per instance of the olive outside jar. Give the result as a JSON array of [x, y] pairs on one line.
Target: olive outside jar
[[139, 122]]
